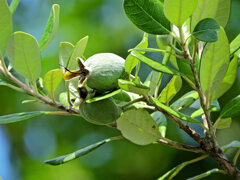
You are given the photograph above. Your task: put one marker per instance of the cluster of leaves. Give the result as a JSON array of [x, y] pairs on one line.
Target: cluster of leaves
[[190, 37]]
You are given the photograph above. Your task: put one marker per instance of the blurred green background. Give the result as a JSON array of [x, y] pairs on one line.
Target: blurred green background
[[25, 145]]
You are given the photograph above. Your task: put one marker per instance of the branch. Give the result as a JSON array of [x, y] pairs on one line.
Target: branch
[[46, 100], [180, 146]]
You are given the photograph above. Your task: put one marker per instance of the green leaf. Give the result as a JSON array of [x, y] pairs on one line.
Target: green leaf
[[235, 45], [161, 122], [206, 174], [216, 9], [132, 61], [186, 100], [13, 5], [24, 55], [184, 67], [163, 41], [147, 15], [214, 64], [173, 112], [11, 118], [157, 66], [5, 25], [80, 153], [77, 52], [154, 82], [223, 123], [232, 108], [228, 79], [172, 88], [177, 11], [52, 80], [129, 86], [65, 51], [213, 108], [105, 96], [174, 171], [223, 12], [138, 126], [51, 27], [207, 30], [233, 144]]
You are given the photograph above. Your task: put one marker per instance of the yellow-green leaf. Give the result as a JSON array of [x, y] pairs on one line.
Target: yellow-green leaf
[[52, 80], [177, 11]]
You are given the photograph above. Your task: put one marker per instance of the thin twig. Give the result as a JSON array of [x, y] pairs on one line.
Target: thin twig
[[180, 146]]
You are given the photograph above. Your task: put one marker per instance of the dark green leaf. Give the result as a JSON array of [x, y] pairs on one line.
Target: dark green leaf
[[233, 144], [105, 96], [81, 152], [147, 15], [138, 126], [129, 86], [207, 30], [24, 55], [132, 61], [177, 11], [154, 64], [11, 118], [5, 25], [173, 112], [13, 5], [232, 108], [235, 45], [51, 27]]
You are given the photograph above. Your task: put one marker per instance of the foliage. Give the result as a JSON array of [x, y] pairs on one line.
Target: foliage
[[196, 40]]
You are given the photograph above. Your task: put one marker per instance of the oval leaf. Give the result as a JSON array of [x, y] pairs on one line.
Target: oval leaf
[[5, 25], [65, 51], [216, 9], [132, 61], [147, 15], [51, 27], [173, 112], [52, 80], [214, 64], [232, 108], [157, 66], [77, 52], [172, 88], [177, 11], [228, 79], [24, 55], [206, 30], [81, 152], [138, 126], [133, 87], [11, 118]]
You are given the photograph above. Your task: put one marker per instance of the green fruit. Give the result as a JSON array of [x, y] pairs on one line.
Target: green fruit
[[104, 71], [100, 112]]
